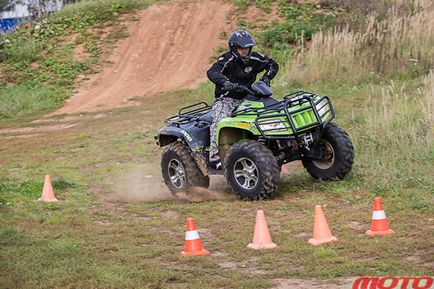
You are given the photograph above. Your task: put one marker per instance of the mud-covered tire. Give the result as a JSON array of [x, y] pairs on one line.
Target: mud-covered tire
[[177, 162], [339, 155], [245, 160]]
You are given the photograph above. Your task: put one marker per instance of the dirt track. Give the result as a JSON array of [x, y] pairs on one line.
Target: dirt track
[[168, 48]]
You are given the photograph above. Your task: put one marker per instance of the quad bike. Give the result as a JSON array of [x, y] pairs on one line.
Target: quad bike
[[261, 135]]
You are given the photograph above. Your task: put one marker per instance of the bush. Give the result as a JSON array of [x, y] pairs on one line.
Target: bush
[[300, 23]]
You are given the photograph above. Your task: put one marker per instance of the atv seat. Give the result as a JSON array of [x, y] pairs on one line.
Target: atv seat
[[207, 117]]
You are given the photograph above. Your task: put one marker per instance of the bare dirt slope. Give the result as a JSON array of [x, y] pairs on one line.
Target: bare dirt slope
[[168, 48]]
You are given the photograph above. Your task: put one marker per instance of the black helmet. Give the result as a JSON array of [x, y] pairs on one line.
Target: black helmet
[[241, 39]]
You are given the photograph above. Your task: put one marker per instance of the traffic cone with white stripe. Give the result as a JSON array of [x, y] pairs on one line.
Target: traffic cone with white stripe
[[379, 225], [193, 245]]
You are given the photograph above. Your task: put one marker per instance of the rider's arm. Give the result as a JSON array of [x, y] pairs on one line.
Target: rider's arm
[[272, 68], [215, 73], [265, 63]]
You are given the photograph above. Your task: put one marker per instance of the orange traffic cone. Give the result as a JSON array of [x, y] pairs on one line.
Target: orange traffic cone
[[193, 245], [379, 225], [47, 191], [321, 230], [261, 237]]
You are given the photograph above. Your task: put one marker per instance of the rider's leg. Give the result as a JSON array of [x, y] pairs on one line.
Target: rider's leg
[[222, 108]]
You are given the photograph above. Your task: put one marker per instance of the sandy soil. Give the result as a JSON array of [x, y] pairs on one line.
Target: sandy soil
[[169, 48]]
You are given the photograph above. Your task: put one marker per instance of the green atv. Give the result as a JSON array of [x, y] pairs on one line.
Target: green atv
[[261, 135]]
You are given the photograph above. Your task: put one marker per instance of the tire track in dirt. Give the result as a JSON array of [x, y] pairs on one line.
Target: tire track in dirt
[[169, 48]]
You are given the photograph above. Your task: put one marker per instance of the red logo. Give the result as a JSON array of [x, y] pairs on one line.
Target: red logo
[[393, 282]]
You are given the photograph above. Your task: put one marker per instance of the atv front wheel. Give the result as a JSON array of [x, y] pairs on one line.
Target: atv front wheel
[[338, 155], [251, 170], [180, 172]]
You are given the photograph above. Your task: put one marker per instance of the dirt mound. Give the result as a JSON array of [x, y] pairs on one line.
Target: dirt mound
[[168, 48]]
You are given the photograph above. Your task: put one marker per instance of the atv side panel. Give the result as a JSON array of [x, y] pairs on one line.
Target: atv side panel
[[195, 135], [230, 135]]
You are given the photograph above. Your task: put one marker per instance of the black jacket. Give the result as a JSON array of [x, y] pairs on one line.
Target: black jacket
[[229, 67]]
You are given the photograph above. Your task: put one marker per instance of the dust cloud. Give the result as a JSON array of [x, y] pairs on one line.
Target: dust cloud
[[140, 185], [217, 191]]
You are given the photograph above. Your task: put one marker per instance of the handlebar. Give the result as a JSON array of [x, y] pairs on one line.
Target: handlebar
[[246, 89], [241, 88]]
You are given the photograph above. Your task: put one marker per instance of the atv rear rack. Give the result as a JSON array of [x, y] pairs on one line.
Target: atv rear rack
[[189, 113], [299, 111]]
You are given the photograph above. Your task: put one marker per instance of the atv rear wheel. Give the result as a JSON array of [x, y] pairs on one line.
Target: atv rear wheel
[[339, 155], [180, 172], [251, 170]]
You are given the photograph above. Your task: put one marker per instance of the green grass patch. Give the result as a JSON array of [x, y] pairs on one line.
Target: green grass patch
[[14, 191], [29, 97], [242, 4], [264, 5]]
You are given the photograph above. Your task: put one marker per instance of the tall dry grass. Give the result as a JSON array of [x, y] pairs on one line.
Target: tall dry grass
[[395, 142], [398, 44]]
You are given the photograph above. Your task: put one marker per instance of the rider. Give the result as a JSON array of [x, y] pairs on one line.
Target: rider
[[234, 69]]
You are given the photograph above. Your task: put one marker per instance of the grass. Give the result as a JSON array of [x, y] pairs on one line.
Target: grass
[[398, 130], [398, 46], [91, 238], [242, 4], [27, 97], [116, 226]]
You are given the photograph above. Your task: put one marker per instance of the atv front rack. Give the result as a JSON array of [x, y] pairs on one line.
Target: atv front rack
[[189, 113], [298, 112]]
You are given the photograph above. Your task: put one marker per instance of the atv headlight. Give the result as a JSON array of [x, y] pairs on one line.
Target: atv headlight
[[275, 125], [322, 107]]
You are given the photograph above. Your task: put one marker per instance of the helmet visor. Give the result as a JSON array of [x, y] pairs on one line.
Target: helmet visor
[[245, 42]]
